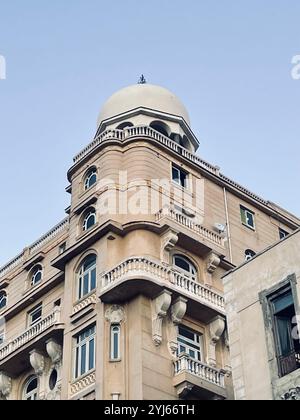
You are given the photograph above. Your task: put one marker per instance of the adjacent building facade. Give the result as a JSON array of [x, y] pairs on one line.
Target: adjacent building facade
[[263, 310], [124, 298]]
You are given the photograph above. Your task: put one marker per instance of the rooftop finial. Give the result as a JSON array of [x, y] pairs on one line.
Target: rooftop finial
[[142, 80]]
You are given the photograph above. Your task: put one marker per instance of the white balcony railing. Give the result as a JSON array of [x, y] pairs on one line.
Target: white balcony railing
[[191, 225], [31, 333], [144, 267], [184, 364]]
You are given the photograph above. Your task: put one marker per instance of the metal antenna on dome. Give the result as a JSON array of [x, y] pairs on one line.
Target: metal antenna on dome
[[142, 80]]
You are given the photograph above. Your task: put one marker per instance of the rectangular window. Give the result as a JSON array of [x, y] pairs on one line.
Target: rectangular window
[[62, 248], [190, 343], [115, 332], [85, 352], [179, 176], [282, 233], [285, 329], [247, 217], [2, 338], [35, 315]]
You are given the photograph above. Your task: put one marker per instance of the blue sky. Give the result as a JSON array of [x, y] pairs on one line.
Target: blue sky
[[229, 62]]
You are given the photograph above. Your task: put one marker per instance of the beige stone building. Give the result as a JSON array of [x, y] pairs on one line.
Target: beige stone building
[[124, 298], [263, 309]]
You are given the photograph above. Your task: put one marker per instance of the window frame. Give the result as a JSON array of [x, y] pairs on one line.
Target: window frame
[[86, 216], [87, 178], [37, 308], [37, 269], [265, 297], [250, 256], [179, 183], [192, 266], [282, 233], [3, 297], [81, 273], [79, 344], [243, 212], [115, 354], [27, 396], [194, 345], [2, 337]]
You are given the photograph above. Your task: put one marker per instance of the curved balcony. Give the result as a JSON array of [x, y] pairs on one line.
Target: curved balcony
[[143, 275]]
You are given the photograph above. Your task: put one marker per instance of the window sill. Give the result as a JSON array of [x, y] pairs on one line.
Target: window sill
[[115, 360], [249, 227], [82, 235]]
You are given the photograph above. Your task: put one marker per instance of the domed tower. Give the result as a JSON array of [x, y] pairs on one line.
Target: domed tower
[[124, 298], [137, 213]]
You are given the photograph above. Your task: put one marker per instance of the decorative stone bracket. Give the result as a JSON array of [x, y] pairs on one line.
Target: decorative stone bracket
[[115, 314], [160, 307], [213, 261], [5, 385], [178, 311], [292, 395], [37, 361], [169, 240], [54, 351], [216, 330]]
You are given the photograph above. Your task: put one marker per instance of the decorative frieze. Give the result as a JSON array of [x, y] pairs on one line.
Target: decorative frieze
[[83, 383]]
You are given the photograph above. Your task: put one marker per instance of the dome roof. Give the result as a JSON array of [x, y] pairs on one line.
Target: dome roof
[[143, 95]]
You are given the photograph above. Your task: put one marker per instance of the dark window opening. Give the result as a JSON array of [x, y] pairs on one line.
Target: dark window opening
[[286, 332]]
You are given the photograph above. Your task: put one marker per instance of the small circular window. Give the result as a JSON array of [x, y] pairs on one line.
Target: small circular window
[[53, 379]]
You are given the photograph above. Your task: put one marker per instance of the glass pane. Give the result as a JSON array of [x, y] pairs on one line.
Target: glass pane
[[89, 262], [116, 345], [250, 219], [33, 384], [283, 325], [283, 302], [175, 175], [181, 263], [91, 354], [86, 284], [93, 279], [83, 360], [77, 363], [186, 333]]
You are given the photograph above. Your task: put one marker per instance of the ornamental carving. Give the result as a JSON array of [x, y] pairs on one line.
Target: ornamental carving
[[115, 314], [160, 307], [292, 395]]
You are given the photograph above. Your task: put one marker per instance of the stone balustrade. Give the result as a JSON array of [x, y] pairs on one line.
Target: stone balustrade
[[184, 364], [144, 267], [191, 225], [34, 331]]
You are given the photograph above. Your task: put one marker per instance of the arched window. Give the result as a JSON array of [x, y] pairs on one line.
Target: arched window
[[161, 127], [90, 178], [185, 265], [124, 125], [36, 275], [89, 219], [115, 332], [3, 299], [249, 254], [87, 276], [30, 391]]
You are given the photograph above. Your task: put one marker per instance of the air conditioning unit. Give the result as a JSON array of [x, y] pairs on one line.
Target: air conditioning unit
[[219, 227]]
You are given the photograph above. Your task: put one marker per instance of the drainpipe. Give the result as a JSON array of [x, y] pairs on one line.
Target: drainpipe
[[228, 225]]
